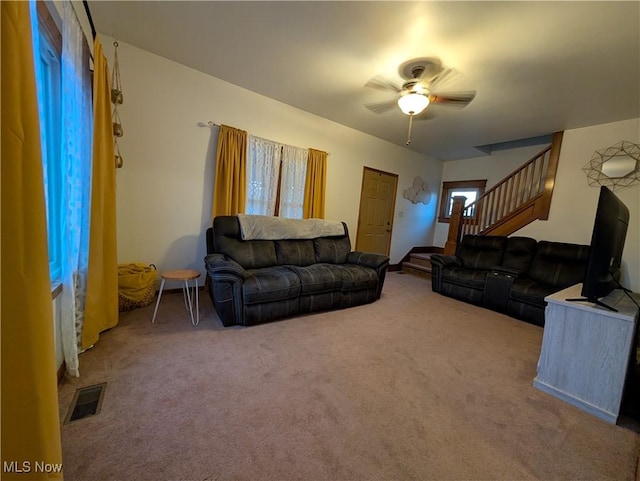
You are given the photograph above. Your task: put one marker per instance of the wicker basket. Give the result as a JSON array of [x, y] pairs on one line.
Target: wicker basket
[[137, 285]]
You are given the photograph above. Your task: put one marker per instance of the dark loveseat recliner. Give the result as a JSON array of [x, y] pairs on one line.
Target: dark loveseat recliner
[[254, 281], [509, 274]]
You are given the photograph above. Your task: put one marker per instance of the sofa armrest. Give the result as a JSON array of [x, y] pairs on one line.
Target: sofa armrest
[[497, 288], [441, 260], [377, 262], [220, 267], [227, 278], [438, 263], [368, 259]]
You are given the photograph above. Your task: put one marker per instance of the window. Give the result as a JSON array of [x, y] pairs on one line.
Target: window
[[292, 181], [263, 172], [47, 55], [276, 176], [471, 189]]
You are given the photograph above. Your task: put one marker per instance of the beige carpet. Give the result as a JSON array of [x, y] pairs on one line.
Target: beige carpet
[[415, 386]]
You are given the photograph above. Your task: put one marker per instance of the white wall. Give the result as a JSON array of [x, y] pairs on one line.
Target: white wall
[[492, 167], [164, 190], [574, 201]]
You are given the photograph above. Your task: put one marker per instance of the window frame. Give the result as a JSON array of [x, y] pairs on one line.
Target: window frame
[[49, 64], [449, 188]]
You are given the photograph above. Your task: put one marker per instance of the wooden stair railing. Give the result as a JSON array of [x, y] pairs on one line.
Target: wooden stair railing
[[517, 200]]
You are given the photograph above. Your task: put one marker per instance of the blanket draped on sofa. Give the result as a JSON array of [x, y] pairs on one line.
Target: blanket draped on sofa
[[266, 227]]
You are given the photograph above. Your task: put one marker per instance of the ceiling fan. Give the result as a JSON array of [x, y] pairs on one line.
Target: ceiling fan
[[424, 80]]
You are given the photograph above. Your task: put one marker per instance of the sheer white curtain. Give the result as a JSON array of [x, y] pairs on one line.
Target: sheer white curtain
[[263, 167], [294, 171], [76, 166]]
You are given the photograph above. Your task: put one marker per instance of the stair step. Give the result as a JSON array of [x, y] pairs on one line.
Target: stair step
[[417, 269], [420, 259]]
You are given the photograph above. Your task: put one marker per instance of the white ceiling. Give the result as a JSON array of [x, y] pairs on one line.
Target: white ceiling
[[537, 67]]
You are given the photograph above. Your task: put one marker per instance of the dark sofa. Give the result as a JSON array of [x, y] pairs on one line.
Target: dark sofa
[[255, 281], [509, 274]]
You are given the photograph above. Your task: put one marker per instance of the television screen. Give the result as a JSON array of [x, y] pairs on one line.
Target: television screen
[[607, 244]]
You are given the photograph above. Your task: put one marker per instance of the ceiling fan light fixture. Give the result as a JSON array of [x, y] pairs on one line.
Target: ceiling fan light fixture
[[413, 103]]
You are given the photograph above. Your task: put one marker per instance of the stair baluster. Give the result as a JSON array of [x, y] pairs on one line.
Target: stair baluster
[[517, 200]]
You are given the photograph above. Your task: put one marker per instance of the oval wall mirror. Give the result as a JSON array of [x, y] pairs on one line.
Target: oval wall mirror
[[618, 166]]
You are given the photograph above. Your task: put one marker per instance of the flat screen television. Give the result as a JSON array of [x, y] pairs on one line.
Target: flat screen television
[[605, 253]]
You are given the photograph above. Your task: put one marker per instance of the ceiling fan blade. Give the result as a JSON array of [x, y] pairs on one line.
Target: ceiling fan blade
[[426, 114], [382, 107], [381, 83], [453, 99], [446, 76]]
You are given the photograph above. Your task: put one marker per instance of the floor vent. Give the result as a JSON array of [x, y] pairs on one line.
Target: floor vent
[[87, 401]]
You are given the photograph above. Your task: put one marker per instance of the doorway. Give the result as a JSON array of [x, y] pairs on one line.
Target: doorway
[[377, 205]]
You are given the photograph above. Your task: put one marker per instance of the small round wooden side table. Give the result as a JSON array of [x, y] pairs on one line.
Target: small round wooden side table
[[182, 275]]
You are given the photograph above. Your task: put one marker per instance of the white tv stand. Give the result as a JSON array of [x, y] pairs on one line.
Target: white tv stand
[[585, 351]]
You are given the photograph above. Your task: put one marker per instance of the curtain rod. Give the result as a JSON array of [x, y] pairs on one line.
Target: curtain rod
[[212, 124], [208, 124], [88, 12]]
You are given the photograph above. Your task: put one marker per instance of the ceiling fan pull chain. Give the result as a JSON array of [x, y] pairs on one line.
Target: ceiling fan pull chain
[[410, 125]]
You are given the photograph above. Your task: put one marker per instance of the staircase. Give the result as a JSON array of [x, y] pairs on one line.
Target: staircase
[[517, 200], [418, 264]]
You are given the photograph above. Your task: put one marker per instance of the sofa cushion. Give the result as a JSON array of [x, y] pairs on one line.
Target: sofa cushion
[[356, 277], [463, 293], [559, 265], [481, 252], [518, 253], [270, 284], [295, 252], [530, 292], [270, 311], [332, 250], [464, 277], [249, 254], [317, 278]]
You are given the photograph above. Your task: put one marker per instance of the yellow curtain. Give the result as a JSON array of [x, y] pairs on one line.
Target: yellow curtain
[[231, 161], [315, 185], [101, 305], [30, 418]]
